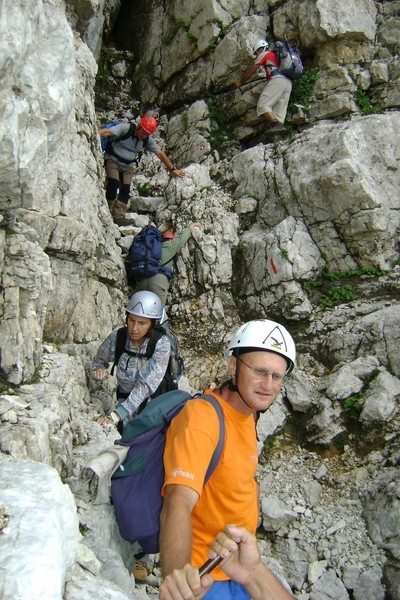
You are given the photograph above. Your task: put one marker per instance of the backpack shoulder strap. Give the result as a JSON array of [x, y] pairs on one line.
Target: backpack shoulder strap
[[130, 133], [221, 440], [158, 332], [156, 416], [119, 346], [127, 135]]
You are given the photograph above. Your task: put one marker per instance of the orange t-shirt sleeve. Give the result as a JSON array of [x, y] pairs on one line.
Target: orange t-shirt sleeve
[[191, 440]]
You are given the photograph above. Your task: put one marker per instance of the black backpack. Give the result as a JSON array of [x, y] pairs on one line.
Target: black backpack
[[175, 366], [108, 145]]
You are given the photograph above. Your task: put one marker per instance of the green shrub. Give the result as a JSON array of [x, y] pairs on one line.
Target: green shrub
[[218, 136], [143, 189], [240, 248], [341, 441], [285, 254], [353, 406], [302, 89], [338, 295], [312, 283], [185, 120], [364, 103], [176, 25]]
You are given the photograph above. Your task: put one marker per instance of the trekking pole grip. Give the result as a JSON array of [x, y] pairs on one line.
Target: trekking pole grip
[[209, 565]]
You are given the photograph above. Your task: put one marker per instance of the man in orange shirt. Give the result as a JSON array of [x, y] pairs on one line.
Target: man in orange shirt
[[260, 355]]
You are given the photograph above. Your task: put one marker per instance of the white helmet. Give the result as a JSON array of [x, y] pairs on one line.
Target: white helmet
[[260, 44], [145, 304], [263, 334]]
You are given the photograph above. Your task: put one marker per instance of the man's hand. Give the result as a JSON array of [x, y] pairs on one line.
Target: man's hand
[[242, 563], [166, 161], [104, 132], [178, 173], [185, 584], [239, 549]]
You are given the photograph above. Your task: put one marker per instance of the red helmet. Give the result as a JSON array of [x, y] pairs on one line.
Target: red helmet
[[168, 235], [148, 123]]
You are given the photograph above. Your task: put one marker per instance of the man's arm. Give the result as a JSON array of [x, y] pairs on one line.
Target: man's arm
[[104, 132], [173, 246], [176, 527], [247, 74], [242, 563], [166, 161]]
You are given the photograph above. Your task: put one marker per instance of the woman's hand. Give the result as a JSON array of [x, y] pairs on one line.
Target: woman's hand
[[113, 419], [99, 374]]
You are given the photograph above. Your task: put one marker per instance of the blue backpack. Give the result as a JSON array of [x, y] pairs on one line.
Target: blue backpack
[[289, 59], [144, 255], [136, 484], [104, 140]]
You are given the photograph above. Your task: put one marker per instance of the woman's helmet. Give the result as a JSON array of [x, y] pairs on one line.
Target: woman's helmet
[[145, 304], [267, 335], [168, 235], [149, 124], [260, 44]]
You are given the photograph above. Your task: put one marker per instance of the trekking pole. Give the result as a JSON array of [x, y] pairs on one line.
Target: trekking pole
[[251, 83], [209, 565]]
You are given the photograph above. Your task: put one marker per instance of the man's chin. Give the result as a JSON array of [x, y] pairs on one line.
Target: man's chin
[[264, 403]]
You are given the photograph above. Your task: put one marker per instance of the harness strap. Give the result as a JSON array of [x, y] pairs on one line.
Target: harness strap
[[130, 133]]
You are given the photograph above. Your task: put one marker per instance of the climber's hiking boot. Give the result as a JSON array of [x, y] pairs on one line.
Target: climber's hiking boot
[[119, 214], [140, 572], [274, 130], [121, 221]]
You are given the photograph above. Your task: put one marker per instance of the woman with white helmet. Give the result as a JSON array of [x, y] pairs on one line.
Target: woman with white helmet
[[260, 354], [139, 376]]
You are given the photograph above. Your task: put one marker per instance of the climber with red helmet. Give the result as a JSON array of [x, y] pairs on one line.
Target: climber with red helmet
[[274, 99], [122, 155], [171, 244], [149, 124]]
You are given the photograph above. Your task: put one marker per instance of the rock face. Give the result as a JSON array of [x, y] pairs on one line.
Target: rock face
[[40, 538], [304, 231]]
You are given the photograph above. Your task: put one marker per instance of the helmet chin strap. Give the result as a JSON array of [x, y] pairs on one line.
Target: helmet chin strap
[[234, 387], [243, 400]]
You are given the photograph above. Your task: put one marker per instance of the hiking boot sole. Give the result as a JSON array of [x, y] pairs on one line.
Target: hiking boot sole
[[271, 135]]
